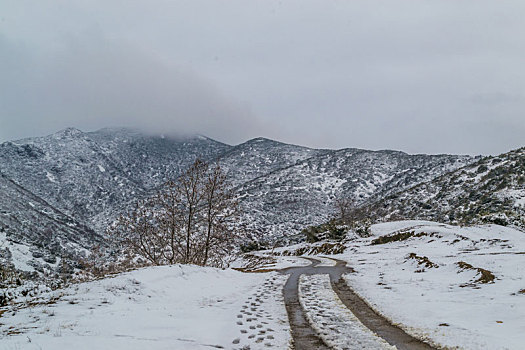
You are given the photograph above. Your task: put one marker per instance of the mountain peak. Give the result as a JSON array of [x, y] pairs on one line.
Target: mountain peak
[[261, 141], [68, 132]]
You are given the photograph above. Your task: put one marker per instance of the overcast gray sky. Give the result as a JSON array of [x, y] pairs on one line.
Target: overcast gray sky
[[419, 76]]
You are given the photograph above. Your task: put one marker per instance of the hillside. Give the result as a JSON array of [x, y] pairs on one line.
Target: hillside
[[491, 190], [447, 286], [94, 176], [72, 184], [290, 198], [35, 236], [260, 156]]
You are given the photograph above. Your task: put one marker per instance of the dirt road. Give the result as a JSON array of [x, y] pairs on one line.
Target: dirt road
[[305, 337]]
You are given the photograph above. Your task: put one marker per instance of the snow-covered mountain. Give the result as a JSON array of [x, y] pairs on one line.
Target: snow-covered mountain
[[71, 184], [491, 190], [260, 156], [94, 176], [35, 236], [291, 197]]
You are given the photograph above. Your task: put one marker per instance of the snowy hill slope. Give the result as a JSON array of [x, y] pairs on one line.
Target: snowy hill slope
[[34, 235], [94, 176], [290, 198], [168, 307], [260, 157], [459, 287], [150, 160], [491, 190]]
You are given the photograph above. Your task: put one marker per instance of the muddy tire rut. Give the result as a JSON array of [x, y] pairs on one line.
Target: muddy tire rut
[[306, 338]]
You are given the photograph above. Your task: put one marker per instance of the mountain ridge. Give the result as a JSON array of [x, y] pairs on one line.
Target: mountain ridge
[[92, 177], [490, 190]]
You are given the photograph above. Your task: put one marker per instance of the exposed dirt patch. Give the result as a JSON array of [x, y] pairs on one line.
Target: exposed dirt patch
[[13, 331], [422, 260], [486, 275], [255, 263], [325, 248], [401, 236]]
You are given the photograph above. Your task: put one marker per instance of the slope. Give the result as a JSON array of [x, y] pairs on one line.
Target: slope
[[287, 199], [94, 176], [35, 236], [491, 190]]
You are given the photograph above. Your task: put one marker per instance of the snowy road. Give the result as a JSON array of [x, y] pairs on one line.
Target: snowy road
[[366, 326]]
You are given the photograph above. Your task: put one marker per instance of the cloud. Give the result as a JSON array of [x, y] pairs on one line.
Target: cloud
[[423, 76], [92, 82]]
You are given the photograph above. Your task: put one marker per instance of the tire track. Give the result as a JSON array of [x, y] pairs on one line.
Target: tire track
[[303, 335], [306, 338]]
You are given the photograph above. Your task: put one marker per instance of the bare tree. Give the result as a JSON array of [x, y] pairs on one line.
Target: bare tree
[[220, 214], [190, 188], [138, 232], [170, 222], [343, 206], [191, 220]]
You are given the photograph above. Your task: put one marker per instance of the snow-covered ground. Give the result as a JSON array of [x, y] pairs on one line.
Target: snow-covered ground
[[334, 323], [282, 262], [438, 299], [260, 313], [170, 307], [456, 287]]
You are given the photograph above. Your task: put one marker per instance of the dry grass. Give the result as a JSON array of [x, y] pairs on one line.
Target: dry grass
[[242, 269], [257, 264], [325, 248], [422, 260], [486, 275], [398, 237]]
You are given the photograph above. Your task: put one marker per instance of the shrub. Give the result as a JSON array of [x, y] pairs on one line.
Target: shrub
[[253, 246]]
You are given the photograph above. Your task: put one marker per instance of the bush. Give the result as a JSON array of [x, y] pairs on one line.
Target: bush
[[329, 230], [482, 168], [253, 246]]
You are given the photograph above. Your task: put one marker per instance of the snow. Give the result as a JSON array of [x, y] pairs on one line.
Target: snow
[[388, 227], [445, 304], [331, 319], [272, 262], [518, 196], [51, 177], [169, 307], [190, 307], [286, 261], [20, 253], [101, 168], [259, 315], [325, 261]]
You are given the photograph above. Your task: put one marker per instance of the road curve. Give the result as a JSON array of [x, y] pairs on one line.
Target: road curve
[[305, 337]]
